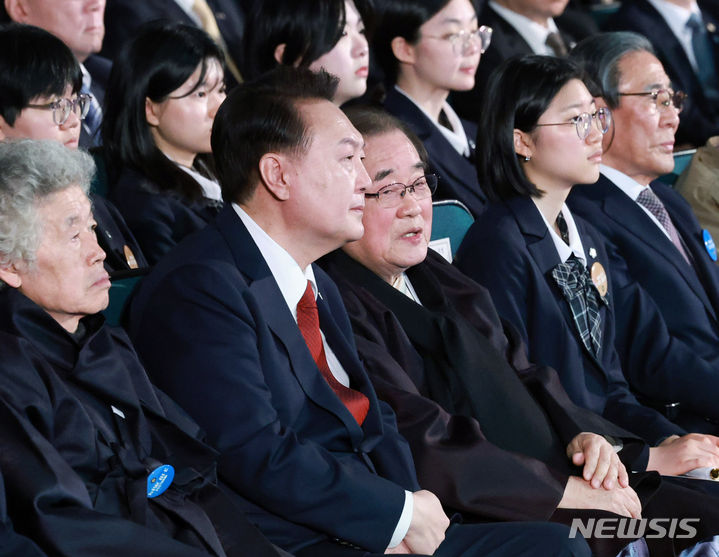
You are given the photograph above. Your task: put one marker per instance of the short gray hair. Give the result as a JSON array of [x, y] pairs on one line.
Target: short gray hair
[[600, 55], [30, 171]]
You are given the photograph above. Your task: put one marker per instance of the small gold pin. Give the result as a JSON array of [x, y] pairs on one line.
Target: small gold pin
[[130, 257]]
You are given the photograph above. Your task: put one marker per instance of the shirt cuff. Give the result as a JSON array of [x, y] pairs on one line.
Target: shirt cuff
[[404, 522]]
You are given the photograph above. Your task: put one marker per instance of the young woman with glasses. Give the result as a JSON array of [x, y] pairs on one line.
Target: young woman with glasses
[[317, 34], [425, 49], [165, 89]]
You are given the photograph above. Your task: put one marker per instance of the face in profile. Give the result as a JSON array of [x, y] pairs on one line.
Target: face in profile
[[447, 54], [67, 279], [39, 123], [181, 125], [327, 182], [78, 23], [349, 58], [643, 143], [559, 158], [396, 237]]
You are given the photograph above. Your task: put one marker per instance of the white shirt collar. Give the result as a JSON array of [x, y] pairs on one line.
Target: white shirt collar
[[456, 136], [575, 242], [291, 279], [531, 31], [632, 188], [210, 188], [676, 17]]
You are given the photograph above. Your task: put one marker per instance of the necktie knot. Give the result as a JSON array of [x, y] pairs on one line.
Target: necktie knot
[[648, 199]]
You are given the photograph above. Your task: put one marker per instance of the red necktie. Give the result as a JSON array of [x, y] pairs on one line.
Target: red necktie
[[309, 322]]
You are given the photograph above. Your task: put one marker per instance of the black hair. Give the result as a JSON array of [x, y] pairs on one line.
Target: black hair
[[399, 18], [260, 117], [518, 93], [33, 63], [159, 58], [307, 28], [373, 120]]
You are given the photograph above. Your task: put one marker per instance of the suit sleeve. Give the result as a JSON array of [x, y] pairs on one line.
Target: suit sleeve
[[205, 342]]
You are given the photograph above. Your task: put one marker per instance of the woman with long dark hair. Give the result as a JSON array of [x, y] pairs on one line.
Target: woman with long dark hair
[[165, 89]]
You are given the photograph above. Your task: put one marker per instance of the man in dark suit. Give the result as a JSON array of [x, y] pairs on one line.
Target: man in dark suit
[[653, 229], [123, 17], [690, 61], [522, 27], [255, 343], [80, 26]]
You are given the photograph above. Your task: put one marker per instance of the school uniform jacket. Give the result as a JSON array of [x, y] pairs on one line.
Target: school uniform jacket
[[510, 251]]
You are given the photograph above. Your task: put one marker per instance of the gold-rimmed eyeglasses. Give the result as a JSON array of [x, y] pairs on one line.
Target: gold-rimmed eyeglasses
[[583, 122], [391, 195]]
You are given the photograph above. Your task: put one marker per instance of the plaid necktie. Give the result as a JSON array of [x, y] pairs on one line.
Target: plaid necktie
[[308, 321], [576, 285], [653, 204]]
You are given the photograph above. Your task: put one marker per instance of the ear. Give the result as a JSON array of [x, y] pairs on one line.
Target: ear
[[280, 52], [274, 174], [403, 51], [10, 275], [523, 144], [17, 10], [152, 112]]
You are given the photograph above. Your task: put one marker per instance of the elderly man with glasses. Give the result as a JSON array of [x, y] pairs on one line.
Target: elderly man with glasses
[[654, 231]]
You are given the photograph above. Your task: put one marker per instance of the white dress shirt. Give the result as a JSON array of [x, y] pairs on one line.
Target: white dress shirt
[[677, 18], [575, 242], [292, 281], [456, 136], [531, 31], [186, 6], [632, 188], [210, 188]]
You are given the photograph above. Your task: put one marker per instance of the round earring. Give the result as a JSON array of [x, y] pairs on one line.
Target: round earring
[[527, 159]]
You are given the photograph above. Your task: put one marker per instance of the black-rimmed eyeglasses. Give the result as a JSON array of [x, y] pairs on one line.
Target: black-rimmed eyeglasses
[[583, 122], [61, 108], [663, 98], [391, 195]]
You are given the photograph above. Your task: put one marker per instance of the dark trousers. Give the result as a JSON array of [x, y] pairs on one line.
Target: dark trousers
[[504, 539]]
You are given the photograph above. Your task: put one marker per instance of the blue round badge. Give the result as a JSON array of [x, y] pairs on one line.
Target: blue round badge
[[709, 244], [159, 480]]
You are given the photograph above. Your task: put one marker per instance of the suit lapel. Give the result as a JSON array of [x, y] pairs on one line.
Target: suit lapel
[[619, 207], [264, 288]]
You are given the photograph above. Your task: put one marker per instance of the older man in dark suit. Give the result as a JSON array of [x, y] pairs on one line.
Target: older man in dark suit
[[255, 343], [653, 229]]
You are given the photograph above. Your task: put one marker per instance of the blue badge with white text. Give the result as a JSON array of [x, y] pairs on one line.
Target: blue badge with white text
[[159, 480], [709, 244]]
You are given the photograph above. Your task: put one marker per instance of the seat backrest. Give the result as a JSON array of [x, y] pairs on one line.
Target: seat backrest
[[120, 293], [681, 161], [450, 221]]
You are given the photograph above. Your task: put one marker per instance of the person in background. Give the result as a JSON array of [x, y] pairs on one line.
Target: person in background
[[314, 34], [165, 90], [427, 48], [79, 24], [40, 98], [685, 38], [522, 27]]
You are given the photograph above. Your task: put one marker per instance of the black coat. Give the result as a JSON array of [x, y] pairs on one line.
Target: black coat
[[81, 428]]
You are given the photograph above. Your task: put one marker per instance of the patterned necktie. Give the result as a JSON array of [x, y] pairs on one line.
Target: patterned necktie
[[556, 43], [653, 204], [576, 285], [93, 118], [703, 52], [309, 323], [208, 22]]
